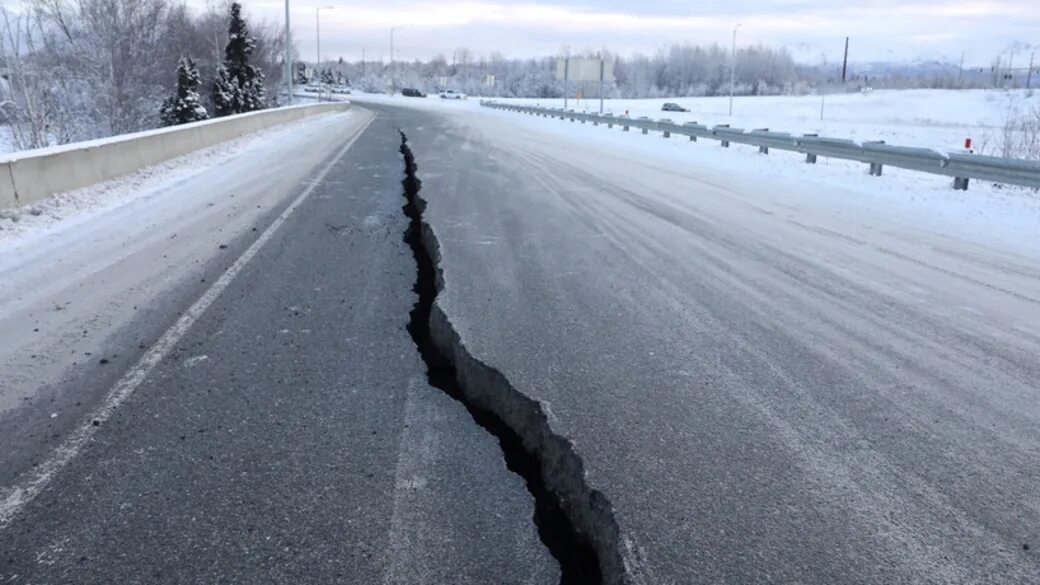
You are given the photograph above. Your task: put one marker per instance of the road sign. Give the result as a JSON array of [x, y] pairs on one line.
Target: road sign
[[583, 69]]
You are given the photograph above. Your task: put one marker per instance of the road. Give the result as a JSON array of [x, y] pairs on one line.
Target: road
[[290, 435], [726, 377], [768, 385]]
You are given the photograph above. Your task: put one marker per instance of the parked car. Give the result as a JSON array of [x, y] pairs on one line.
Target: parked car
[[340, 89], [451, 94], [672, 107], [411, 92], [311, 89]]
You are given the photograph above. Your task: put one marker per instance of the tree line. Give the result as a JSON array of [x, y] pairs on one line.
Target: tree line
[[679, 70], [674, 71]]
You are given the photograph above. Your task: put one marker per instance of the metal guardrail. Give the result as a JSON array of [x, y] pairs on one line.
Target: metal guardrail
[[961, 166]]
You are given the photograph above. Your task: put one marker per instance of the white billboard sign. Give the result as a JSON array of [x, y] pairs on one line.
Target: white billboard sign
[[584, 69]]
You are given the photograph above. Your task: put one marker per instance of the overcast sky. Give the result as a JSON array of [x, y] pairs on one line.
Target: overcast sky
[[889, 30]]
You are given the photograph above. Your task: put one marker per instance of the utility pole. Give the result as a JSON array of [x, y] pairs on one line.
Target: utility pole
[[845, 62], [733, 69], [317, 27], [566, 77], [393, 69], [960, 71], [288, 54], [362, 62], [602, 66]]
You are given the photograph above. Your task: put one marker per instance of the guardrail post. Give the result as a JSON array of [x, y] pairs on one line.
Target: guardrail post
[[763, 149], [667, 134], [610, 124], [810, 158], [646, 131], [875, 168], [693, 138], [960, 183], [625, 128], [723, 142]]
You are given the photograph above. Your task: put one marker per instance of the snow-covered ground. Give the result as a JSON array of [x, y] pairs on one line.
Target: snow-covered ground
[[939, 119], [1004, 217]]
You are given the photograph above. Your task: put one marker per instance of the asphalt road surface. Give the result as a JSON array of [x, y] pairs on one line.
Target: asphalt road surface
[[290, 436], [761, 385], [768, 386]]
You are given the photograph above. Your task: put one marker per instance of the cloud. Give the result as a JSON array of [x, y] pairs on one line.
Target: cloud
[[880, 29]]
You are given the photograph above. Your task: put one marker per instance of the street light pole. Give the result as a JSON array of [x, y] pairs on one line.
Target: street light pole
[[288, 53], [317, 28], [733, 69]]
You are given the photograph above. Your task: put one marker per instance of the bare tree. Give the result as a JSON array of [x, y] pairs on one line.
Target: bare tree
[[31, 103], [110, 47]]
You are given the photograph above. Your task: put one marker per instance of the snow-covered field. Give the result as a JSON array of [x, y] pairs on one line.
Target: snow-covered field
[[939, 119]]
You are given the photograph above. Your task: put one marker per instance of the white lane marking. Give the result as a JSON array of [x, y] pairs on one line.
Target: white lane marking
[[194, 361], [25, 490], [409, 526]]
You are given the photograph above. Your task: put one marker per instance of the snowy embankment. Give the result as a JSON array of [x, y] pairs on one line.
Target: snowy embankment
[[93, 202], [939, 119]]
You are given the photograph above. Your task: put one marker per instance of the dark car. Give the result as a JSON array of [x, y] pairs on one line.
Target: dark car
[[409, 92], [670, 107]]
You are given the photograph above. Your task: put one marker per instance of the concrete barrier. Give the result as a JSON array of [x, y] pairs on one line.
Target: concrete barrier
[[31, 176]]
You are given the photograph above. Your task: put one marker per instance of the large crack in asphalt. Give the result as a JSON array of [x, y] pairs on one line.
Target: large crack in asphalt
[[575, 522]]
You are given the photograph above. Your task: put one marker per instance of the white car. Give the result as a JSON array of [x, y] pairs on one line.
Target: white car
[[451, 94]]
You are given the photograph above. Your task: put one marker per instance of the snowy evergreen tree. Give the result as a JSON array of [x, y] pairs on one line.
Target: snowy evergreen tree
[[301, 73], [227, 95], [253, 97], [185, 106], [239, 86]]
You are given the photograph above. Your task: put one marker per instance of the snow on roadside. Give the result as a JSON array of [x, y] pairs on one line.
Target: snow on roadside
[[81, 204], [929, 118], [997, 215]]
